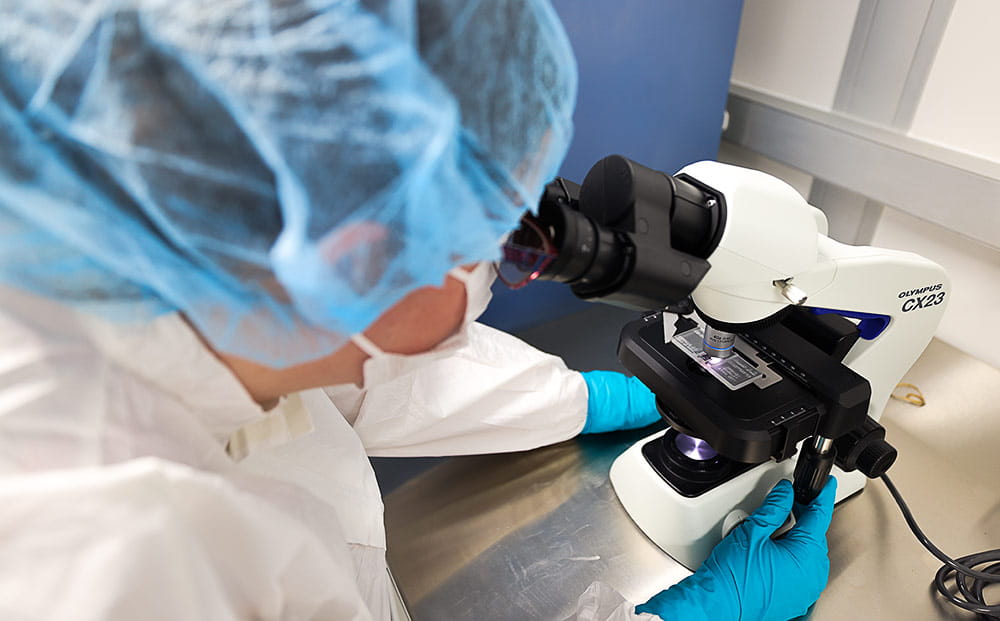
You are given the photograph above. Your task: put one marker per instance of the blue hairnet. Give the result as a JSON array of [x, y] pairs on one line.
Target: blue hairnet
[[280, 171]]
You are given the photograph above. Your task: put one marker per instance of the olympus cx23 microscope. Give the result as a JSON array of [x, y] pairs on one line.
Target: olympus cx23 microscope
[[771, 348]]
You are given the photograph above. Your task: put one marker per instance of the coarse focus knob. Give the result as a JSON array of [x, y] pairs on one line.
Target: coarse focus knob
[[865, 449], [876, 458]]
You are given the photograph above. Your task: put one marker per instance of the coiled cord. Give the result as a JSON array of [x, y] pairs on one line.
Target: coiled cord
[[969, 581]]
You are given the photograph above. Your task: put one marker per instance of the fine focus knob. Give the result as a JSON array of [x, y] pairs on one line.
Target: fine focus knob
[[811, 472], [876, 458]]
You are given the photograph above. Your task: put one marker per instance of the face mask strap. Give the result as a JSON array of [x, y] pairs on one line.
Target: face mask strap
[[366, 345], [460, 274]]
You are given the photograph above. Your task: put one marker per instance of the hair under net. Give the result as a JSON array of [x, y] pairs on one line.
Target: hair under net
[[280, 171]]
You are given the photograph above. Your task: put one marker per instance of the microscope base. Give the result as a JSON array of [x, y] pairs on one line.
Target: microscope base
[[688, 528]]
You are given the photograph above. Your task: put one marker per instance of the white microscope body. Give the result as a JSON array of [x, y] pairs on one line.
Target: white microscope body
[[774, 252]]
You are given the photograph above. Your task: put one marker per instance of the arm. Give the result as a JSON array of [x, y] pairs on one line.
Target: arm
[[484, 392], [487, 391]]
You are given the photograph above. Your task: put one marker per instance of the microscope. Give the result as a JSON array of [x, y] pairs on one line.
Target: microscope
[[771, 348]]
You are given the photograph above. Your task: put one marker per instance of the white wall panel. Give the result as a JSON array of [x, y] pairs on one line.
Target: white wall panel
[[959, 107], [794, 48], [736, 155]]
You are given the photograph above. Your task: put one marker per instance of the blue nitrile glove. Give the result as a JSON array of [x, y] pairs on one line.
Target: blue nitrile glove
[[616, 402], [751, 577]]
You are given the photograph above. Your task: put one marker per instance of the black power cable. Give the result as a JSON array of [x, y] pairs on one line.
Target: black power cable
[[969, 581]]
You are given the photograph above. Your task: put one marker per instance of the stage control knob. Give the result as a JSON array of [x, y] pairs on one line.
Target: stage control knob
[[876, 458]]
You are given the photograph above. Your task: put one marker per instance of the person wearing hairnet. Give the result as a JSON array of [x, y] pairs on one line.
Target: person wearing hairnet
[[209, 214]]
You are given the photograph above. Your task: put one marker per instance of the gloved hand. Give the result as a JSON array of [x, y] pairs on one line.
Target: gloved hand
[[751, 577], [616, 402]]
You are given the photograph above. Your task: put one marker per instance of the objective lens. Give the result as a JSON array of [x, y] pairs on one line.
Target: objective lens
[[694, 448], [718, 344]]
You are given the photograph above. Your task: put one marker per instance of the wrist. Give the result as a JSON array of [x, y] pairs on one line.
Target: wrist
[[593, 422], [699, 597], [642, 405], [680, 602], [616, 401]]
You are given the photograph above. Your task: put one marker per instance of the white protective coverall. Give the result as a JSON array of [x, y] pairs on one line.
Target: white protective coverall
[[139, 479]]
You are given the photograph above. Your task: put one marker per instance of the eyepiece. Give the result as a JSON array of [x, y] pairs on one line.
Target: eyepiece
[[630, 235], [587, 253]]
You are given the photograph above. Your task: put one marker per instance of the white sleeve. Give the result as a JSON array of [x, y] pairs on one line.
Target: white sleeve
[[494, 393], [149, 539]]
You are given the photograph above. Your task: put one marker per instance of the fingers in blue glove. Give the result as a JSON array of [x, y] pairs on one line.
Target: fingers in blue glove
[[776, 508], [813, 520], [616, 402]]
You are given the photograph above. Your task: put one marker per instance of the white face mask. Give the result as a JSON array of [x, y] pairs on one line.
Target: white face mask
[[382, 366]]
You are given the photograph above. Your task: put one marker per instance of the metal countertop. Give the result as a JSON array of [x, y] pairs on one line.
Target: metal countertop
[[522, 535]]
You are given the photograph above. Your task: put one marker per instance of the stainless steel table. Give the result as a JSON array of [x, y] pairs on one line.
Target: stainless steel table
[[520, 536]]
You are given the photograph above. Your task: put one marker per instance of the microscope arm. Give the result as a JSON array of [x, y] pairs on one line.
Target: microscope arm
[[903, 294], [910, 291]]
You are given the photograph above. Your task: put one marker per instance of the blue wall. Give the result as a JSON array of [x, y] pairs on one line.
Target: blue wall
[[653, 81]]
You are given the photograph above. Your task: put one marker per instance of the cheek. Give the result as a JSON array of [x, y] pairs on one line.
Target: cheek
[[421, 320]]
